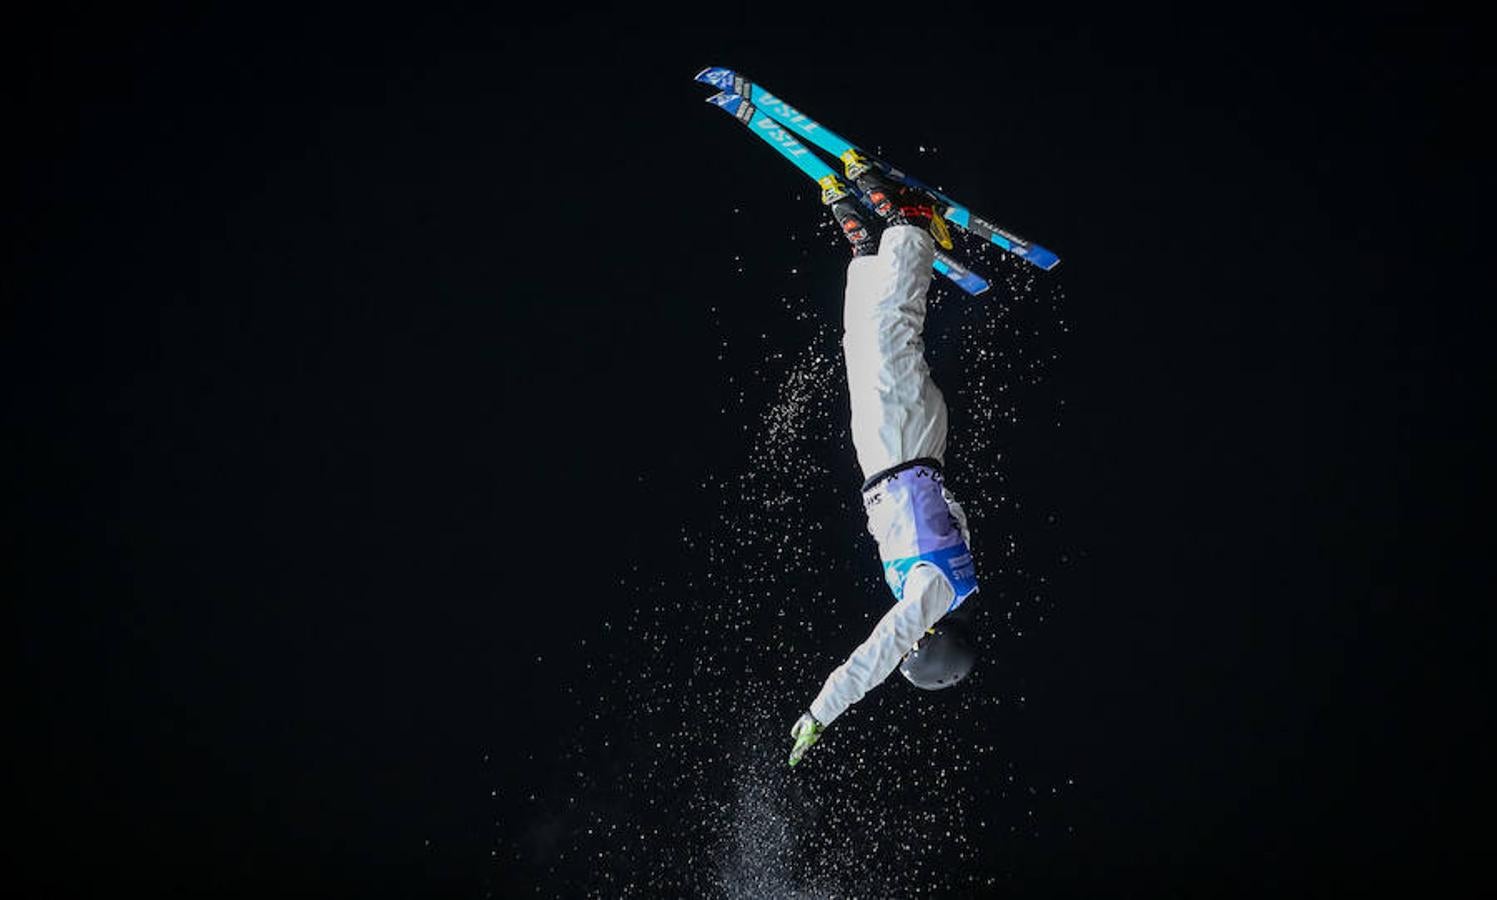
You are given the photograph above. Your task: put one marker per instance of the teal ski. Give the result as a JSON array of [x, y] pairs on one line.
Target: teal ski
[[856, 161], [832, 187]]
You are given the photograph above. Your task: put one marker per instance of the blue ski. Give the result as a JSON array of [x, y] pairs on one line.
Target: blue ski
[[832, 187], [856, 161]]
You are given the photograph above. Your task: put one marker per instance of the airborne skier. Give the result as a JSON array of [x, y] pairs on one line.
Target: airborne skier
[[898, 413], [899, 436]]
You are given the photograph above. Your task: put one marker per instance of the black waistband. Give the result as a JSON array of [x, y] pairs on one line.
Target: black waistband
[[890, 472]]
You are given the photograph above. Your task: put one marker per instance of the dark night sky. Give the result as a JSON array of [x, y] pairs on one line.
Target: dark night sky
[[332, 339]]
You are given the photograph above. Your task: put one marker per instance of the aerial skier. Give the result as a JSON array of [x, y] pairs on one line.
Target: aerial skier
[[899, 436], [898, 413]]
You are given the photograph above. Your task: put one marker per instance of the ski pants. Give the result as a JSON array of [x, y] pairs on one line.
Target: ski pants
[[898, 413]]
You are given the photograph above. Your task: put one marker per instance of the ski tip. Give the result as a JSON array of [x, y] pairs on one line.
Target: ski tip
[[975, 285], [1041, 257], [960, 275], [717, 76], [727, 101]]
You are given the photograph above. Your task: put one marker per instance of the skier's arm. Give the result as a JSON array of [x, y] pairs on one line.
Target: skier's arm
[[927, 597]]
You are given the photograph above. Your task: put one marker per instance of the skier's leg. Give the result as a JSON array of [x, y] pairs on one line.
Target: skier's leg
[[898, 413]]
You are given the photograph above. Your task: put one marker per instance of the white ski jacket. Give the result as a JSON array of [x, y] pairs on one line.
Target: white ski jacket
[[899, 434]]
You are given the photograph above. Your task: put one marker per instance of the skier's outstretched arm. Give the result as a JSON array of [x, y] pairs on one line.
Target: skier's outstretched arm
[[927, 597]]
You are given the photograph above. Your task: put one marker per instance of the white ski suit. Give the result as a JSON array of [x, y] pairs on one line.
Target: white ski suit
[[899, 434]]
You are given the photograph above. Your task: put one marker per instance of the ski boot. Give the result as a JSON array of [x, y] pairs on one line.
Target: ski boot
[[852, 220], [899, 204]]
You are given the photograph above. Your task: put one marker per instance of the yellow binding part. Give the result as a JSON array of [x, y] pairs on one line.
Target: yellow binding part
[[832, 190], [854, 164], [939, 231]]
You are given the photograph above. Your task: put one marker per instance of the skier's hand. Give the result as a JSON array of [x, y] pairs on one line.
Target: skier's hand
[[806, 732]]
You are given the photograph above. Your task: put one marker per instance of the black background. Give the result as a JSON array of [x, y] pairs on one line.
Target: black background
[[318, 318]]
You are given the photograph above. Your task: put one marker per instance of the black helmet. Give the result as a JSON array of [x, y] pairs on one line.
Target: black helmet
[[943, 656]]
